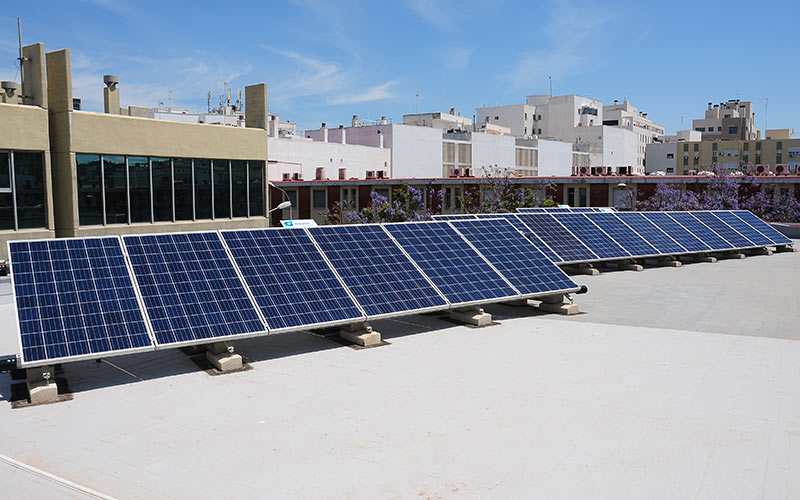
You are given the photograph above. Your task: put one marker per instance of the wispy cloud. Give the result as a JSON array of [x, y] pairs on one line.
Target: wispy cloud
[[308, 76], [376, 93], [573, 34], [438, 13], [457, 59]]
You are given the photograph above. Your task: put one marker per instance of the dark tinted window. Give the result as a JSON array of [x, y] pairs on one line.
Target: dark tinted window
[[139, 174], [239, 187], [182, 169], [162, 189], [202, 189], [90, 195], [222, 189], [5, 170], [116, 185], [6, 200], [29, 184], [256, 188]]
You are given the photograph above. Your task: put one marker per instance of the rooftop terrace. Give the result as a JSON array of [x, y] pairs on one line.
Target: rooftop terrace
[[673, 383]]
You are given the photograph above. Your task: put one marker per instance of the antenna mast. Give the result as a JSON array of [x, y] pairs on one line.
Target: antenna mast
[[21, 60]]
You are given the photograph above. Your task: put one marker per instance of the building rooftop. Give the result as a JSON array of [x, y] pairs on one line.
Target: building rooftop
[[672, 383]]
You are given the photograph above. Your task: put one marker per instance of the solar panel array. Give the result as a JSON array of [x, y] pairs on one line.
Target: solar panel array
[[92, 297], [454, 216]]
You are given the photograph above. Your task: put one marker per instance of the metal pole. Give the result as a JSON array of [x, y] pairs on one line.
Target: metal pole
[[21, 61]]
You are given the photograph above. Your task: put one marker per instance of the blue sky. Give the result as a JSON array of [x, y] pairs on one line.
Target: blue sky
[[325, 61]]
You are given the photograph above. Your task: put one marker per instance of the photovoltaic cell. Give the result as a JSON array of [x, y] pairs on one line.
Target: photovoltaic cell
[[517, 259], [190, 288], [454, 216], [75, 299], [676, 231], [289, 278], [584, 209], [703, 232], [743, 228], [514, 221], [770, 232], [650, 232], [561, 241], [457, 270], [377, 272], [722, 229], [623, 234], [530, 209], [591, 236]]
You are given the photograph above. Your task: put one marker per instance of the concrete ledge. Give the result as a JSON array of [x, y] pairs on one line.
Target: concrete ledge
[[472, 316], [361, 334], [221, 355], [586, 269], [42, 387], [631, 267], [566, 309]]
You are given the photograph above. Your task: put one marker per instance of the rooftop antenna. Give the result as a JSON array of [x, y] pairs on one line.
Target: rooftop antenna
[[416, 104], [21, 59], [208, 102], [766, 112], [550, 78]]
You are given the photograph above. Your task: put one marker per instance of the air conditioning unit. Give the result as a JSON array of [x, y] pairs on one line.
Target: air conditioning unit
[[287, 176], [600, 170], [342, 174], [467, 172], [762, 169], [370, 174], [381, 174], [320, 173], [297, 176], [456, 172], [625, 170], [782, 169], [584, 171]]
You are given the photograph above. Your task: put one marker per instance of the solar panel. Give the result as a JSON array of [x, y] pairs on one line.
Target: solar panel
[[292, 283], [517, 259], [382, 278], [190, 288], [454, 216], [700, 230], [514, 221], [75, 300], [676, 231], [557, 237], [558, 210], [770, 232], [457, 270], [584, 209], [743, 228], [623, 234], [530, 209], [650, 232], [592, 236], [722, 229]]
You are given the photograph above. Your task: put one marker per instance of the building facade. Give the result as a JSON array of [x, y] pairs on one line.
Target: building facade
[[730, 120]]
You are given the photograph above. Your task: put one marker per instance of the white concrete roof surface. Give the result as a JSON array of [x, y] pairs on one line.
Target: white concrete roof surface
[[674, 383]]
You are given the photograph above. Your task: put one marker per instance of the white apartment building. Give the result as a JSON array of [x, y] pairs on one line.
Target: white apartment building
[[577, 120], [629, 117], [733, 119], [445, 121]]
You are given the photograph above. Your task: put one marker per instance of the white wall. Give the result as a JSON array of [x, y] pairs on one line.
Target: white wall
[[511, 116], [555, 158], [490, 149], [610, 146], [297, 155], [657, 158]]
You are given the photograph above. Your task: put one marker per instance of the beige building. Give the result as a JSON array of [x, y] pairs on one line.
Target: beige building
[[733, 119], [72, 173]]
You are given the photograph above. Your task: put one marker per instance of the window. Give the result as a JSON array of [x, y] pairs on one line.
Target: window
[[162, 189], [182, 184], [90, 194], [256, 177], [139, 182], [239, 187], [6, 198], [29, 187], [115, 180], [583, 197], [496, 117], [203, 197], [383, 192], [733, 130], [686, 147], [670, 170], [719, 129], [349, 198], [319, 199], [222, 191], [700, 129], [670, 156], [727, 116], [697, 147]]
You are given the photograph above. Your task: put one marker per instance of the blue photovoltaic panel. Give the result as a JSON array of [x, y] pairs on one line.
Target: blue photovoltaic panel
[[556, 236], [770, 232], [457, 270], [743, 228], [623, 234], [703, 232], [454, 217], [650, 232], [190, 288], [382, 278], [292, 283], [75, 298], [512, 218], [530, 209], [676, 231], [591, 236], [514, 256], [558, 210], [722, 229], [584, 209]]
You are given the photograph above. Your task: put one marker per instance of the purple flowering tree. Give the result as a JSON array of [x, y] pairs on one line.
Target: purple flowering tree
[[407, 204]]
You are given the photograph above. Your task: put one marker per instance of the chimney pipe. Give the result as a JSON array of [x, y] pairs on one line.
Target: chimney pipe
[[452, 111], [380, 139], [324, 132], [344, 134], [354, 123]]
